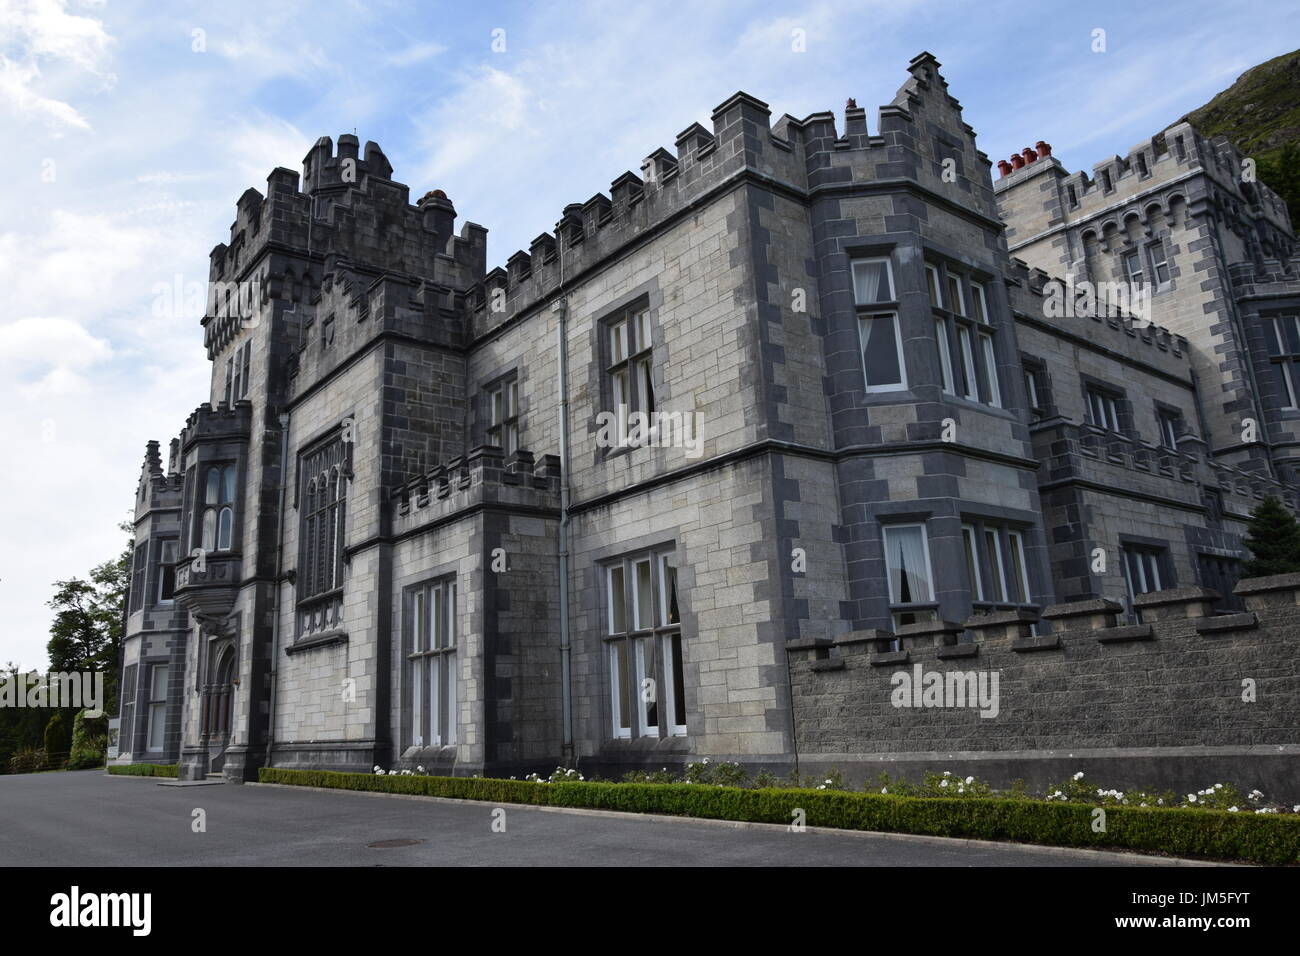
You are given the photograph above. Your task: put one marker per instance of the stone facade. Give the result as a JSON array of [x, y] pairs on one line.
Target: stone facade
[[405, 537]]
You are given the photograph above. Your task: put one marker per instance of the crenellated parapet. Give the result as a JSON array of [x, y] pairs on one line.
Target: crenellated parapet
[[484, 477], [222, 423], [921, 144]]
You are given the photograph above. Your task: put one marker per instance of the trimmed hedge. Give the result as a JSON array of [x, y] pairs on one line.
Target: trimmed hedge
[[1215, 834], [143, 769]]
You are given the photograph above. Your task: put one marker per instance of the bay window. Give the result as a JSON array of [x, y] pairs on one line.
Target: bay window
[[432, 676]]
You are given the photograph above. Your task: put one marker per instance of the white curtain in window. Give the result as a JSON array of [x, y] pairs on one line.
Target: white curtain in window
[[909, 573], [869, 282]]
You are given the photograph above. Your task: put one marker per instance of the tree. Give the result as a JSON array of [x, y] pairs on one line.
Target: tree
[[87, 629], [1273, 537]]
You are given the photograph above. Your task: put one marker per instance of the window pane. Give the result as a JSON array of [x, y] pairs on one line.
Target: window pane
[[449, 661], [436, 700], [512, 399], [495, 401], [945, 354], [871, 282], [418, 621], [991, 370], [449, 610], [997, 569], [932, 285], [642, 602], [647, 685], [908, 567], [679, 682], [225, 526], [167, 571], [228, 484], [957, 302], [620, 687], [618, 341], [643, 331], [978, 300], [209, 530], [214, 486], [645, 382], [969, 382], [668, 613], [157, 725], [880, 350], [417, 701], [617, 605], [1019, 573], [158, 685], [972, 563]]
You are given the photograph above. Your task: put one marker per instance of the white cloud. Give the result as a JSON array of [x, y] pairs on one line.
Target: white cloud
[[415, 53], [43, 32]]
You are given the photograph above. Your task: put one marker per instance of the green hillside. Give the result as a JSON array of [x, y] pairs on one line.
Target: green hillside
[[1260, 114]]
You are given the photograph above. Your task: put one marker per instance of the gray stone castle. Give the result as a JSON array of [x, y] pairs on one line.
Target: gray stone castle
[[797, 386]]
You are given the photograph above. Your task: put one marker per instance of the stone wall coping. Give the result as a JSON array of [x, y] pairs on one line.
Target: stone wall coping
[[1082, 608], [1175, 596], [865, 635], [923, 628], [1274, 582], [1225, 623], [1001, 618]]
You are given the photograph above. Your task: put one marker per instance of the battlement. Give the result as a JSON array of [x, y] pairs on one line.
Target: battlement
[[484, 476], [207, 423], [1153, 163], [917, 132], [1029, 290], [348, 208]]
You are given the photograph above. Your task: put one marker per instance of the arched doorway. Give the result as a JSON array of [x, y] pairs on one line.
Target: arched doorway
[[220, 707]]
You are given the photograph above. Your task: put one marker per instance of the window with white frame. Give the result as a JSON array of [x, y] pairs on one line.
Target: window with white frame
[[1159, 263], [1282, 333], [1133, 266], [879, 336], [218, 522], [166, 571], [1144, 571], [873, 282], [644, 646], [157, 709], [432, 676], [996, 567], [630, 365], [1170, 424], [932, 286], [237, 373], [503, 415], [907, 565], [964, 337], [1103, 409]]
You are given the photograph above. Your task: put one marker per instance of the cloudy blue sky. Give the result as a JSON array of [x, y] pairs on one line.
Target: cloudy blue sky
[[127, 138]]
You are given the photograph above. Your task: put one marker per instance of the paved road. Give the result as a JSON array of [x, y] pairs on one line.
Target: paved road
[[90, 819]]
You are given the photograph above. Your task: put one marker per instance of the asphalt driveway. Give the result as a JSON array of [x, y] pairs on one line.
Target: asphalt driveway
[[91, 819]]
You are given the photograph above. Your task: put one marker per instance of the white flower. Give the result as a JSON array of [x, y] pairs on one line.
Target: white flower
[[886, 790], [1218, 786], [1232, 809], [947, 773], [1296, 808], [1191, 798], [943, 783], [961, 789], [828, 781], [1079, 775], [377, 770]]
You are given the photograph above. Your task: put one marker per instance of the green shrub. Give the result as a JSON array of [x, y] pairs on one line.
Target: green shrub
[[57, 736], [143, 769], [89, 741], [28, 760], [1267, 838]]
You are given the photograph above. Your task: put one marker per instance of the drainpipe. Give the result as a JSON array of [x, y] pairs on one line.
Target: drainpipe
[[279, 571], [561, 309]]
